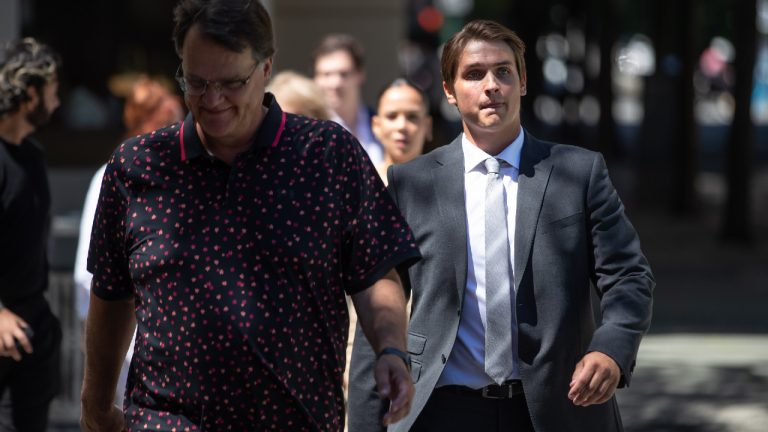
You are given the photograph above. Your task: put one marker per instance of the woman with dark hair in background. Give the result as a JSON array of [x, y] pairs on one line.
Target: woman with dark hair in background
[[402, 123]]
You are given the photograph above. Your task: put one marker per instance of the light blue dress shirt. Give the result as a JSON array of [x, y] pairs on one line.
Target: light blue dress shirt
[[465, 365]]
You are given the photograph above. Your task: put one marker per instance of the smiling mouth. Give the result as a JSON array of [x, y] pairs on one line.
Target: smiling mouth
[[215, 111]]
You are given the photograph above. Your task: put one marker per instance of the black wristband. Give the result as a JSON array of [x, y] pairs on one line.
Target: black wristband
[[394, 351]]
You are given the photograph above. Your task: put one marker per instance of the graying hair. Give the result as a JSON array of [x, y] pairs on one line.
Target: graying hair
[[24, 63]]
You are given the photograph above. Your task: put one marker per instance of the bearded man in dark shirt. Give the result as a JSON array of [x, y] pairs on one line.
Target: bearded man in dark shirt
[[30, 335]]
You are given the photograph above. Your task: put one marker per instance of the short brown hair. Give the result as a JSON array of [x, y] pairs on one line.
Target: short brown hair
[[341, 42], [482, 30], [234, 24]]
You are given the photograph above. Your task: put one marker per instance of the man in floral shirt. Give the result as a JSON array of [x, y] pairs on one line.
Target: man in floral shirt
[[230, 239]]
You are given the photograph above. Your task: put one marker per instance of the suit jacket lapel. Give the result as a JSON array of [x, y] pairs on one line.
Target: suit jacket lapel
[[535, 169], [448, 183]]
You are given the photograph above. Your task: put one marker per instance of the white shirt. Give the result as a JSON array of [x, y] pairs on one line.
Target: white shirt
[[465, 365], [362, 131], [82, 275]]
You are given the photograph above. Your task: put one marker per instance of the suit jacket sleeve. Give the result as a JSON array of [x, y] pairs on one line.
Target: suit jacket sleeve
[[621, 274], [365, 407]]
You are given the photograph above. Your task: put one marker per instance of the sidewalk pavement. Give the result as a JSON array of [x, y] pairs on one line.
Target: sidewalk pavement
[[704, 365], [698, 382]]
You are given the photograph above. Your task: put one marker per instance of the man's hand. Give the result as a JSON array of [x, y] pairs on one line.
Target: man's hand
[[12, 330], [111, 420], [594, 380], [394, 383]]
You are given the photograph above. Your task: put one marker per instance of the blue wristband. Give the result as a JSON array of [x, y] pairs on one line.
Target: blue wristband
[[394, 351]]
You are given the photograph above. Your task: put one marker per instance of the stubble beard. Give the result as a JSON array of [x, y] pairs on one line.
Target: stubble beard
[[39, 116]]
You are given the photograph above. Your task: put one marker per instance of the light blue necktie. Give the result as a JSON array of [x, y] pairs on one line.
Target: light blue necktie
[[498, 304]]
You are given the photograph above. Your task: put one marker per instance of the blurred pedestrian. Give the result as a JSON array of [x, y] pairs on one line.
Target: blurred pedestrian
[[515, 233], [402, 123], [298, 94], [30, 335], [339, 68], [148, 106], [230, 240]]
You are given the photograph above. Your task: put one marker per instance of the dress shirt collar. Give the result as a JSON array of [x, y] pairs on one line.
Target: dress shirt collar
[[473, 156]]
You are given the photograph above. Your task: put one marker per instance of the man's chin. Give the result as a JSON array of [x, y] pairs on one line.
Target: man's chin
[[215, 129], [39, 118], [334, 104]]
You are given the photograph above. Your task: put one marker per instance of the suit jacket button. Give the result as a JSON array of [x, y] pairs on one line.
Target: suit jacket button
[[442, 356]]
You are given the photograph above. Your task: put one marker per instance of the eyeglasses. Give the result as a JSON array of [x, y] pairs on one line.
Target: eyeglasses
[[198, 87]]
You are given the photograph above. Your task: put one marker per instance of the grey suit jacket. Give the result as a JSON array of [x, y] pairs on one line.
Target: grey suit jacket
[[571, 235]]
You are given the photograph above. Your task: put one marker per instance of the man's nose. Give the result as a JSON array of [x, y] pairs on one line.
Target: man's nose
[[212, 93], [400, 122], [491, 83]]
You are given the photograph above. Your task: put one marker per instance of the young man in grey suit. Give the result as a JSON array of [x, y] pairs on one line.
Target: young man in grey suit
[[514, 233]]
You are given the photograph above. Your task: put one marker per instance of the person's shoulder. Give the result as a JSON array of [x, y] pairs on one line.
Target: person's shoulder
[[132, 156], [163, 139], [558, 151], [298, 125], [310, 135], [33, 145], [418, 168], [430, 159]]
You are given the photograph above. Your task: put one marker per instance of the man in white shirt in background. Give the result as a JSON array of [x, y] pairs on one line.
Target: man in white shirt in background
[[339, 70]]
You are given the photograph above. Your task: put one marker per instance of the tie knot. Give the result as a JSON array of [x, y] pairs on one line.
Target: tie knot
[[492, 165]]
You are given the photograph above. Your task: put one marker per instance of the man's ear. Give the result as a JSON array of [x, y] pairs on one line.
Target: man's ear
[[523, 82], [33, 98], [268, 68], [448, 90]]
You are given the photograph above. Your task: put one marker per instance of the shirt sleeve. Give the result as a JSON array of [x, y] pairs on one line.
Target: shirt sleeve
[[376, 236], [107, 255]]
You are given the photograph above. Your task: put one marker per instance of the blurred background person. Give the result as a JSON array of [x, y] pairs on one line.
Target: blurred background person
[[298, 94], [30, 335], [402, 123], [339, 62], [148, 106]]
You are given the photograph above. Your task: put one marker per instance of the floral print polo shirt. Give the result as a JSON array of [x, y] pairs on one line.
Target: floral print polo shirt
[[238, 272]]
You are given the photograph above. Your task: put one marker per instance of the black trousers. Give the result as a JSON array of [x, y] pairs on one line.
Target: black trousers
[[448, 411], [28, 386]]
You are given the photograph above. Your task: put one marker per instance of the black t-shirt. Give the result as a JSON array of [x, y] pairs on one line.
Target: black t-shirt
[[25, 205]]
